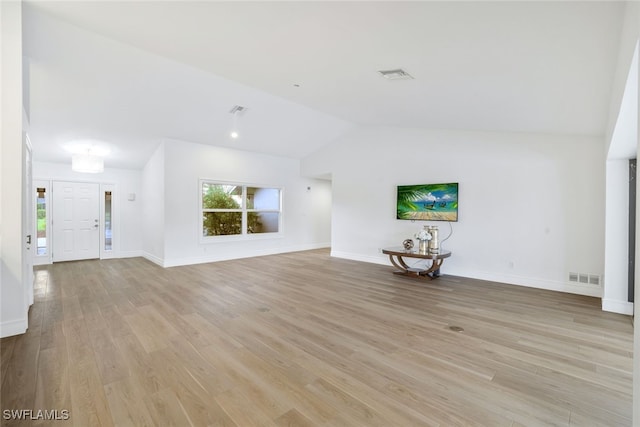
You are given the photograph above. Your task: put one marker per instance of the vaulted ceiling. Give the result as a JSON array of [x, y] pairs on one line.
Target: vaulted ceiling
[[130, 74]]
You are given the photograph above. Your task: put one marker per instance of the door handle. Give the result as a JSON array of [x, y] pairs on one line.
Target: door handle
[[28, 239]]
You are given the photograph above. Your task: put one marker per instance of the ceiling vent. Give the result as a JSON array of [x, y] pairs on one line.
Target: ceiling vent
[[237, 109], [397, 74]]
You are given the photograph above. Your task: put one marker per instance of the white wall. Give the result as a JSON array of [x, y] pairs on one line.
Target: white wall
[[153, 207], [304, 221], [320, 211], [622, 146], [13, 301], [531, 207], [127, 215], [162, 224], [614, 296], [628, 39]]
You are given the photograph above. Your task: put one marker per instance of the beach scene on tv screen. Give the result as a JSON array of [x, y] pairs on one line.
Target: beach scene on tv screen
[[428, 202]]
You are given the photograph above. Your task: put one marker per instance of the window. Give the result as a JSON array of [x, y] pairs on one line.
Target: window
[[41, 218], [237, 209], [108, 232]]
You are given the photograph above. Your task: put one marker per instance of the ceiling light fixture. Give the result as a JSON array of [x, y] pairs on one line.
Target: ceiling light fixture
[[87, 162], [397, 74], [237, 109]]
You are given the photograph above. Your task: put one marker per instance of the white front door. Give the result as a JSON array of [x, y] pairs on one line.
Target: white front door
[[76, 220], [28, 222]]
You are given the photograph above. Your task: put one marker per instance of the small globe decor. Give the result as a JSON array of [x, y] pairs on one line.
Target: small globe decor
[[408, 244]]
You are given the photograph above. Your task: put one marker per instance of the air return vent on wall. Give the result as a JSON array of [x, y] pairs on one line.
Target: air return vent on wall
[[584, 279]]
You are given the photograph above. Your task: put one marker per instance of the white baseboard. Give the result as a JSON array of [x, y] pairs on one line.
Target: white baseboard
[[534, 282], [121, 254], [614, 306], [176, 262], [154, 259], [374, 259], [41, 260], [13, 327], [531, 282], [129, 254]]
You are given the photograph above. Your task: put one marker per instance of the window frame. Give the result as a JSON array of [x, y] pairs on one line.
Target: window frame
[[244, 235], [113, 219], [47, 221]]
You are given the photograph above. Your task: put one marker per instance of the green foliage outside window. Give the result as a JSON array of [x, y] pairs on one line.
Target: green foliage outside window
[[221, 223], [42, 218]]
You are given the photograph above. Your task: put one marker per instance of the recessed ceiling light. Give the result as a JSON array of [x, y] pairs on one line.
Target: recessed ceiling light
[[397, 74]]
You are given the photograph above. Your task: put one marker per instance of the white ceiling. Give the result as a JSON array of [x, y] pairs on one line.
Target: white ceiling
[[133, 73]]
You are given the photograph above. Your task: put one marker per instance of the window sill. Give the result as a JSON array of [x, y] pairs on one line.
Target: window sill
[[240, 238]]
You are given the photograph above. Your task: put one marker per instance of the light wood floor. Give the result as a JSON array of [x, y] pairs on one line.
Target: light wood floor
[[304, 339]]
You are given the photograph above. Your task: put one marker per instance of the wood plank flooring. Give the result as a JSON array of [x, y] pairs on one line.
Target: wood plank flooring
[[303, 339]]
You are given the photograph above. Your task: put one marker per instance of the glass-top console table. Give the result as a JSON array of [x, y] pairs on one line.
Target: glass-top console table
[[397, 253]]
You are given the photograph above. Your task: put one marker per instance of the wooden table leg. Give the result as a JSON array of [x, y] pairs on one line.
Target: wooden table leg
[[399, 264], [435, 266], [430, 273]]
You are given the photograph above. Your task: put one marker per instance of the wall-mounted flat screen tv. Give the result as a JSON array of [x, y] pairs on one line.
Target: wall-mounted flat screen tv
[[428, 202]]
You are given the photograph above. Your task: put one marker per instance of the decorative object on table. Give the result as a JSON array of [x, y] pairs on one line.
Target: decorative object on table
[[423, 237], [434, 244], [408, 244]]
